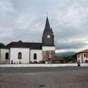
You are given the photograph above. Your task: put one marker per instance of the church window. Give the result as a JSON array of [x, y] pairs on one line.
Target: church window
[[6, 56], [19, 55], [35, 56]]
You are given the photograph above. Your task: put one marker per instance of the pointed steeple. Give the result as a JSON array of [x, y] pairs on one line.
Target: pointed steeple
[[47, 27], [48, 35]]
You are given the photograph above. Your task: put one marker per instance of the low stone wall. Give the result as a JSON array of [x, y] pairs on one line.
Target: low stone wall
[[42, 65]]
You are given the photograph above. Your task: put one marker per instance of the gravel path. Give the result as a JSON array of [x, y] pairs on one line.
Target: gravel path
[[58, 79]]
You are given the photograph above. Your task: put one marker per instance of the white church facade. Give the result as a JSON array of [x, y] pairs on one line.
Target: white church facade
[[26, 52]]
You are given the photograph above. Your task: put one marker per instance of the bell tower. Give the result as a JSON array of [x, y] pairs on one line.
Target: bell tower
[[48, 35], [48, 46]]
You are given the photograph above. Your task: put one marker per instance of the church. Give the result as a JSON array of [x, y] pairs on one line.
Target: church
[[26, 52]]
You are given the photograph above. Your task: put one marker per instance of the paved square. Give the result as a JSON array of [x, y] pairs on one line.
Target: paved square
[[77, 78]]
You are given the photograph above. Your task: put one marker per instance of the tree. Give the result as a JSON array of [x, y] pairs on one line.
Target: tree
[[68, 59], [2, 45]]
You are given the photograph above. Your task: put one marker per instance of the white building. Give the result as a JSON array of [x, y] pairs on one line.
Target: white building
[[26, 52], [82, 56]]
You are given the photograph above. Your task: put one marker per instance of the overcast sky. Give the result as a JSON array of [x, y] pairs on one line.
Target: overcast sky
[[25, 20]]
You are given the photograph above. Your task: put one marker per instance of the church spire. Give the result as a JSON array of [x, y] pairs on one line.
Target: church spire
[[48, 35], [47, 27]]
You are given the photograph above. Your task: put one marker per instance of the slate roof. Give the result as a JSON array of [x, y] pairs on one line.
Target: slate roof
[[47, 27], [21, 44]]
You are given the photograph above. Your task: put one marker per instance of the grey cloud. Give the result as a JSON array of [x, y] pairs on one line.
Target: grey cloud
[[71, 44], [25, 20]]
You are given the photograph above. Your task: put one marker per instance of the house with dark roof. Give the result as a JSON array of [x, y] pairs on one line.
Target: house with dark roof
[[82, 56], [30, 52]]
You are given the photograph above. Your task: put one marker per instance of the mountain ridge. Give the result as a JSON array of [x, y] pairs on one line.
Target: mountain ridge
[[65, 54]]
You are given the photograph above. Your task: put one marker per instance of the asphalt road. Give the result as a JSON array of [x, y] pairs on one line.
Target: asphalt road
[[20, 70], [59, 77]]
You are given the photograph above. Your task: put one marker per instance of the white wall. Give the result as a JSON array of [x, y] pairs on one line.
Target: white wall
[[42, 65], [14, 55], [45, 48], [2, 55], [81, 57], [84, 58], [39, 55]]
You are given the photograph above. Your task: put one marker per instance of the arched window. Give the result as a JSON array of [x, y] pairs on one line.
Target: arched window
[[6, 56], [35, 56], [19, 55]]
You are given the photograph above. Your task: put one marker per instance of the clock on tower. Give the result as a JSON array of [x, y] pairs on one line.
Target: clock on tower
[[48, 36], [48, 47]]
